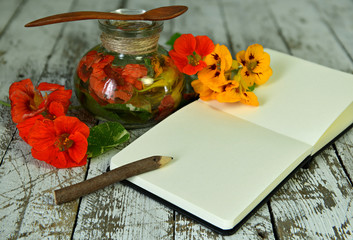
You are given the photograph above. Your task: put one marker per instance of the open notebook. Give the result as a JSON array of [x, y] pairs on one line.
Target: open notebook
[[229, 157]]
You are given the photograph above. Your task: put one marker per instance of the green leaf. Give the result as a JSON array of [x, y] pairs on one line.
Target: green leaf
[[104, 137], [96, 109], [172, 39], [251, 88], [138, 111]]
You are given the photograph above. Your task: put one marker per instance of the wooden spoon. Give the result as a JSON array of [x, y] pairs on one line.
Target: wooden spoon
[[157, 14]]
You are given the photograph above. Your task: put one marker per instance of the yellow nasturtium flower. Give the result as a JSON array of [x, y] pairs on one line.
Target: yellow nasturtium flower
[[237, 90], [255, 63], [218, 62]]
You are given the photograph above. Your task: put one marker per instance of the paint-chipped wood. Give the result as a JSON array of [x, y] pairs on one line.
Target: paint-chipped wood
[[306, 34], [315, 204], [120, 211], [338, 18], [344, 147], [11, 8], [258, 227]]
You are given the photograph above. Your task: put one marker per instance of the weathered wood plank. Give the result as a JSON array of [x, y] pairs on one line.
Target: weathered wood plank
[[9, 9], [344, 147], [257, 227], [32, 181], [202, 18], [26, 186], [23, 54], [339, 18], [119, 212], [307, 36], [247, 25], [315, 204]]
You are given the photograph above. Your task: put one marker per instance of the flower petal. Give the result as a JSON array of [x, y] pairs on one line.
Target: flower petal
[[205, 92], [79, 148], [191, 70], [185, 44], [263, 63], [44, 86], [25, 126], [263, 77], [42, 134], [204, 45], [253, 52], [25, 100], [249, 98], [65, 124], [47, 155], [241, 58]]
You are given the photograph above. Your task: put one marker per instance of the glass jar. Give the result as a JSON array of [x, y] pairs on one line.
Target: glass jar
[[129, 77]]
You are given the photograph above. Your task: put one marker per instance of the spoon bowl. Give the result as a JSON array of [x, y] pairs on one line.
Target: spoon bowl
[[157, 14]]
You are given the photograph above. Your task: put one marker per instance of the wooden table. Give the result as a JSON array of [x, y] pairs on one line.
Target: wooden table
[[317, 203]]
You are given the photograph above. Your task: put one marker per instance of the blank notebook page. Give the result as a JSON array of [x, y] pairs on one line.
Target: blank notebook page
[[301, 99], [223, 166]]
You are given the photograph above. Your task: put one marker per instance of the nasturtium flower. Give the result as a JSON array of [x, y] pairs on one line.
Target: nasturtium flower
[[98, 72], [255, 63], [61, 142], [84, 69], [28, 101], [132, 73], [116, 84], [218, 62], [166, 107], [236, 90], [189, 51], [205, 93], [54, 111]]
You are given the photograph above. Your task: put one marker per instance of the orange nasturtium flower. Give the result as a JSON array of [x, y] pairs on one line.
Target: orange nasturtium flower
[[85, 68], [256, 64], [218, 62], [61, 142], [189, 51], [27, 101], [237, 91], [205, 93]]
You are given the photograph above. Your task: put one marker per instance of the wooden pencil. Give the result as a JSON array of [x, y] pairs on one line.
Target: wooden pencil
[[75, 191]]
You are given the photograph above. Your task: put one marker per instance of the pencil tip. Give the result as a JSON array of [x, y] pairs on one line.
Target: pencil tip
[[164, 160]]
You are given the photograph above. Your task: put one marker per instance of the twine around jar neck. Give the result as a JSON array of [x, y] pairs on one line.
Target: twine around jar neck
[[130, 46]]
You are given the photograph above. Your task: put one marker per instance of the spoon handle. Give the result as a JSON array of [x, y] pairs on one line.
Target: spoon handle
[[157, 14], [83, 15]]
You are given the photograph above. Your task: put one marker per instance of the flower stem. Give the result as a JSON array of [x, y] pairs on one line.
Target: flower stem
[[5, 103]]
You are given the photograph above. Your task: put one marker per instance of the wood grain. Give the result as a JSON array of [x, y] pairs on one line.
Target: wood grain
[[315, 204], [122, 212], [32, 181], [316, 199], [319, 199], [6, 16]]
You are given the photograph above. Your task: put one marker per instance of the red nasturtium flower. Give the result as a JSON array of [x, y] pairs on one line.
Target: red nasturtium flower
[[133, 72], [115, 84], [61, 142], [54, 111], [85, 68], [109, 83], [189, 51], [166, 107], [27, 101]]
